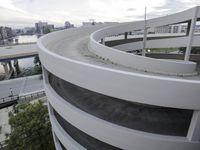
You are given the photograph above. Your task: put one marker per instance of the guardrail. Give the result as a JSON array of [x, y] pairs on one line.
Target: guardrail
[[10, 100], [15, 44], [31, 96]]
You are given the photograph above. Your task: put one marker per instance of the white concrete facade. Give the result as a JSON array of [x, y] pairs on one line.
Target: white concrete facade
[[115, 73], [144, 63]]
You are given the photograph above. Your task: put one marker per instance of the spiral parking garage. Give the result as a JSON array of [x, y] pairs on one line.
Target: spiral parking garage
[[101, 97]]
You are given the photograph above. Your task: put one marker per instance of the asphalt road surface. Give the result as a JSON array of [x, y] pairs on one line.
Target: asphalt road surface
[[21, 86]]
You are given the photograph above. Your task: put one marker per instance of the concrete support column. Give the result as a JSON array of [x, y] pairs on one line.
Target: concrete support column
[[191, 34], [144, 42], [10, 65], [103, 41], [194, 129], [126, 35], [188, 28], [16, 65], [5, 66], [11, 70]]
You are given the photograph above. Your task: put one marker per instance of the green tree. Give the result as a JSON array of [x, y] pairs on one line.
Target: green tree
[[30, 128], [194, 50]]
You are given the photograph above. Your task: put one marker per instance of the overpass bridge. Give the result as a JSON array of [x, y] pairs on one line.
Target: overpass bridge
[[16, 52]]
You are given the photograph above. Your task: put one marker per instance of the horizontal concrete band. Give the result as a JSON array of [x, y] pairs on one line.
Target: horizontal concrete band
[[63, 137], [112, 134], [147, 118], [144, 63], [82, 138], [62, 146], [57, 142], [184, 16], [146, 89]]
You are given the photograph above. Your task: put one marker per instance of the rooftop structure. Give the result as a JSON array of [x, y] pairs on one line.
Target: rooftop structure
[[101, 97], [68, 25]]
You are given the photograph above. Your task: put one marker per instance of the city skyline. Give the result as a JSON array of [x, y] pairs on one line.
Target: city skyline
[[21, 13]]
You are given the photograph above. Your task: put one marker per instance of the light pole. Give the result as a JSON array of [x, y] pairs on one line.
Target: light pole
[[145, 33]]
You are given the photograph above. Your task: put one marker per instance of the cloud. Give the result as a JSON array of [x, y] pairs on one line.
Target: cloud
[[169, 7], [15, 17], [131, 9], [8, 4], [173, 6], [77, 11]]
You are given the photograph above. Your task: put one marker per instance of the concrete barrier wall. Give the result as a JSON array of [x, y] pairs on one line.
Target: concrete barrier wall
[[169, 67], [144, 63]]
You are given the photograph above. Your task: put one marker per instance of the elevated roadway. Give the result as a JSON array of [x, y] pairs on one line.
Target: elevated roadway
[[18, 51], [21, 86]]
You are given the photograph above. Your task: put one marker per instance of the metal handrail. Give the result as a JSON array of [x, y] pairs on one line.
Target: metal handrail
[[23, 97]]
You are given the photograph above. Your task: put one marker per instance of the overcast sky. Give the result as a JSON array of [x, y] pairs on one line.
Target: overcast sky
[[21, 13]]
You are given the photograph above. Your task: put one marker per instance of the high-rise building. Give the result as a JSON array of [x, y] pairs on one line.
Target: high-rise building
[[9, 32], [3, 33], [6, 32], [40, 27]]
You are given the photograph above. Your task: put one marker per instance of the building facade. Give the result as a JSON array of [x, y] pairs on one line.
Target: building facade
[[43, 27], [6, 32], [102, 97]]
